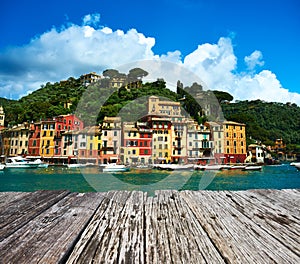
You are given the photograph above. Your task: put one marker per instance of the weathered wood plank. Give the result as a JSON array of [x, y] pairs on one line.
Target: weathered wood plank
[[173, 234], [50, 236], [275, 220], [115, 234], [288, 202], [237, 237], [7, 197], [19, 212]]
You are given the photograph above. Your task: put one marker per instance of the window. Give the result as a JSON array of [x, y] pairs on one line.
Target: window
[[91, 146], [160, 146], [190, 144], [166, 138], [146, 152], [105, 133], [141, 144], [47, 151], [21, 143], [228, 151], [145, 144], [51, 133], [234, 134], [115, 133], [34, 143], [133, 152], [91, 137], [227, 134], [241, 135], [227, 143], [70, 122]]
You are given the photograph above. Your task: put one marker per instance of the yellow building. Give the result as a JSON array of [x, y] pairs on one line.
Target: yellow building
[[94, 143], [17, 143], [234, 142], [47, 143], [161, 139]]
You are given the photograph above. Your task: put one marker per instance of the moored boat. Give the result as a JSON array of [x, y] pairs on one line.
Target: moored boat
[[297, 166], [253, 168], [237, 167], [208, 167], [75, 165], [174, 166], [113, 167], [2, 167], [19, 162], [37, 161]]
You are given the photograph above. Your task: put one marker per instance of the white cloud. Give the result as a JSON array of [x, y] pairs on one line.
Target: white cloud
[[91, 19], [72, 51], [75, 50], [216, 64], [255, 59]]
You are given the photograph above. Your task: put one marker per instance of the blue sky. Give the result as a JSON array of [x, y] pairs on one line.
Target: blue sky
[[252, 46]]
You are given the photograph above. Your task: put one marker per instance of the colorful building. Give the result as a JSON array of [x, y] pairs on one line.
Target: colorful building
[[130, 150], [145, 143], [234, 142], [199, 144], [34, 139], [110, 129], [179, 140], [217, 136], [2, 117]]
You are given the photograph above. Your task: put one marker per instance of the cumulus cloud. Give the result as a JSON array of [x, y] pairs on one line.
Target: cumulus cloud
[[253, 60], [216, 64], [71, 51], [78, 49]]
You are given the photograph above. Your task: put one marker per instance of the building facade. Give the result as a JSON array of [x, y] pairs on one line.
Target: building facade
[[234, 142]]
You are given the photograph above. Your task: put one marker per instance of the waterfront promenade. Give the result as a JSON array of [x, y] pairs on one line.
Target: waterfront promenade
[[254, 226]]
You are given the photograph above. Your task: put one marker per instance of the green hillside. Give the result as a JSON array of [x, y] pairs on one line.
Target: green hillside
[[264, 121]]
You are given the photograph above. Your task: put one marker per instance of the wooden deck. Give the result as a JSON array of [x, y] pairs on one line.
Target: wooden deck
[[255, 226]]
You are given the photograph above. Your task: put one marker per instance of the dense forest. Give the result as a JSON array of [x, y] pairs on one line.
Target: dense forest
[[264, 121]]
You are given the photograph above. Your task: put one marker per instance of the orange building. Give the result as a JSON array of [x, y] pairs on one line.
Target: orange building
[[234, 142]]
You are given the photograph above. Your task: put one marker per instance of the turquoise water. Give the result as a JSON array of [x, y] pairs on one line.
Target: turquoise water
[[91, 179]]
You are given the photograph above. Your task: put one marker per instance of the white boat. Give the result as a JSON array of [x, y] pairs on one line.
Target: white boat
[[39, 162], [208, 167], [113, 167], [174, 166], [237, 167], [295, 164], [252, 168], [76, 165], [20, 162], [2, 167]]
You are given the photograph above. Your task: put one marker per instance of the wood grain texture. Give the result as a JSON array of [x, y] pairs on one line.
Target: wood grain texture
[[255, 226]]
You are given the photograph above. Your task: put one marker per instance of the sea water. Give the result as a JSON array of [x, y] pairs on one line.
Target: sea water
[[92, 179]]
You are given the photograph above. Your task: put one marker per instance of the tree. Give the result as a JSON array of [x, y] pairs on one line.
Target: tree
[[110, 73], [137, 74]]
